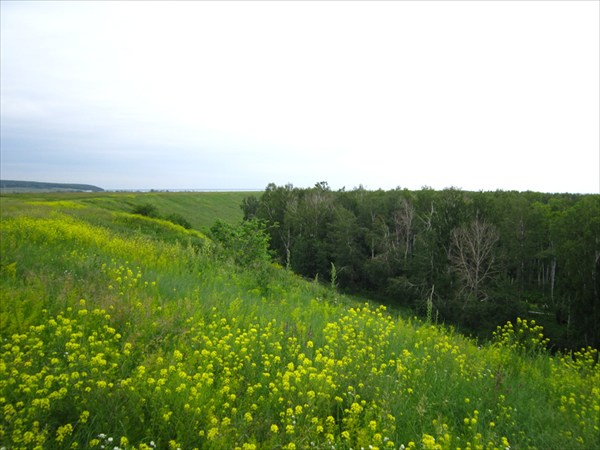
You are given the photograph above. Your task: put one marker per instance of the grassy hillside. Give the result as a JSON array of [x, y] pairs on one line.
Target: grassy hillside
[[123, 331], [199, 208]]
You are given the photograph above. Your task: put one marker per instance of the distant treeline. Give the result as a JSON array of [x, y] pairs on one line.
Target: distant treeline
[[28, 186], [474, 259]]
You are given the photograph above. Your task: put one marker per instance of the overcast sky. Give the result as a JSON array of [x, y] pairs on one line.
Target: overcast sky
[[479, 95]]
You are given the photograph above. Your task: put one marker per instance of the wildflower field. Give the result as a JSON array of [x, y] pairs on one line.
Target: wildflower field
[[126, 332]]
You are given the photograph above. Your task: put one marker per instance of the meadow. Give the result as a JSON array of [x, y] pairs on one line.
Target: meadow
[[121, 331], [200, 209]]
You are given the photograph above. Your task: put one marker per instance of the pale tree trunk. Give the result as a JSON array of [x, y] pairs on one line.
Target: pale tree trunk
[[427, 221], [472, 256], [403, 221], [291, 209], [373, 218], [552, 278], [288, 246]]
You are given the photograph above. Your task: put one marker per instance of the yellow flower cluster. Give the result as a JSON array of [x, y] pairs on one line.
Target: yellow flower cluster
[[230, 381], [525, 336], [73, 357], [204, 361]]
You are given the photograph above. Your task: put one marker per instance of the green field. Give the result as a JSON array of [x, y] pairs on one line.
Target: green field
[[199, 208], [125, 331]]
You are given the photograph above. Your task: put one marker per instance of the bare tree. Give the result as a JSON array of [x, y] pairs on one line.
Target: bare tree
[[403, 222], [472, 256]]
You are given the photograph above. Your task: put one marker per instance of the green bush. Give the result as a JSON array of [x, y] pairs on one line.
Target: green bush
[[146, 209], [178, 219], [247, 243]]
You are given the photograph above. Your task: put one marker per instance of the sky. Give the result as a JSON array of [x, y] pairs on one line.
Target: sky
[[476, 95]]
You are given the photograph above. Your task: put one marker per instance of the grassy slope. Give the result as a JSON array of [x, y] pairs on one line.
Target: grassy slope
[[199, 208], [133, 329]]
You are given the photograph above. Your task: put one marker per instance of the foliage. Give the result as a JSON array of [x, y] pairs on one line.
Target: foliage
[[247, 243], [146, 209], [490, 255], [178, 219], [150, 210], [250, 206]]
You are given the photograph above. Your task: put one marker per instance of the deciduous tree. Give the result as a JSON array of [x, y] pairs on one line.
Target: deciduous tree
[[472, 256]]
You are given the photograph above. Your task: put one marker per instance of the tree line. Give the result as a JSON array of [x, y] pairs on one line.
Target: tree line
[[472, 259]]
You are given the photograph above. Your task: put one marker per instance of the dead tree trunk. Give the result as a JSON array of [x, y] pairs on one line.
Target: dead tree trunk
[[472, 257]]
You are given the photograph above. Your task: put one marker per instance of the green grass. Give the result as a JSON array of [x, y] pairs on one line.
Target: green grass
[[201, 209], [125, 331]]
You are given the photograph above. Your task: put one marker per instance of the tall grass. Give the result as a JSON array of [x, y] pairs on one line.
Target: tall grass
[[129, 332]]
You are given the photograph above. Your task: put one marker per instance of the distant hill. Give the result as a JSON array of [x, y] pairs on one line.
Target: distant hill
[[34, 186]]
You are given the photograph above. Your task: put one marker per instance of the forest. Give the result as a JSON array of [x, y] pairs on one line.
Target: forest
[[473, 260]]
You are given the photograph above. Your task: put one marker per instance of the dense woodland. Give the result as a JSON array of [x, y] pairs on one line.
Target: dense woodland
[[471, 259]]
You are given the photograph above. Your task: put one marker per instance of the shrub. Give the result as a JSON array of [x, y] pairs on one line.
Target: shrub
[[178, 219], [146, 209], [247, 243]]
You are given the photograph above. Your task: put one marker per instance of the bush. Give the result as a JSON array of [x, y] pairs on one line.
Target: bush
[[247, 243], [146, 209], [178, 219]]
